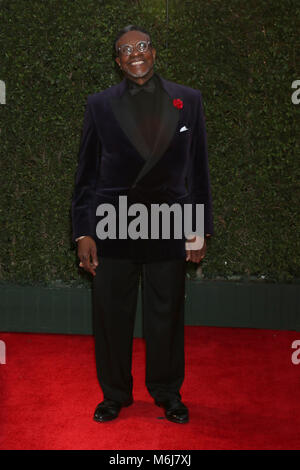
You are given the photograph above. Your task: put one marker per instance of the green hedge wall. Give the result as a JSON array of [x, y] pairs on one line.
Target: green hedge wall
[[243, 56]]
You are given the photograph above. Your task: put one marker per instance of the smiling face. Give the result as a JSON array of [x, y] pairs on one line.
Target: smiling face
[[137, 66]]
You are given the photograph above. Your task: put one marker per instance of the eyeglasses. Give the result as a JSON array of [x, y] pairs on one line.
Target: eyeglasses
[[141, 46]]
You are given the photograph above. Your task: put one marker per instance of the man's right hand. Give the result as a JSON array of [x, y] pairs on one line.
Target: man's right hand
[[87, 253]]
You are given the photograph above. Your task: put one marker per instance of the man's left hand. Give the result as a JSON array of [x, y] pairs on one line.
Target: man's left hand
[[196, 255]]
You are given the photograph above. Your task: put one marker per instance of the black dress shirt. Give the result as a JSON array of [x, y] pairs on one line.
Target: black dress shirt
[[146, 107]]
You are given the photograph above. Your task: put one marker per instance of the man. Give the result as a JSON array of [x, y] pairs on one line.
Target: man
[[144, 139]]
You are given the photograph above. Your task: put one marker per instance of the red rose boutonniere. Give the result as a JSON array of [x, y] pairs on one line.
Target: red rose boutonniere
[[178, 103]]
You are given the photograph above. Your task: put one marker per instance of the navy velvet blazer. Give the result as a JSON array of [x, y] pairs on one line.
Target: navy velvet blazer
[[112, 162]]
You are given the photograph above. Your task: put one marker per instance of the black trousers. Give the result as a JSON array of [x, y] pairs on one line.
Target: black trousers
[[115, 292]]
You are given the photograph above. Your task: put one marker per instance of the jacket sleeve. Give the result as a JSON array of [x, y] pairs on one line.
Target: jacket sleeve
[[84, 196], [200, 178]]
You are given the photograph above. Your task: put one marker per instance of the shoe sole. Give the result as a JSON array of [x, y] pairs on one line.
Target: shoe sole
[[182, 421], [104, 420]]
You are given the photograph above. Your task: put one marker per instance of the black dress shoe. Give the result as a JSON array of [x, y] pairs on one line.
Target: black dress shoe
[[109, 409], [175, 410]]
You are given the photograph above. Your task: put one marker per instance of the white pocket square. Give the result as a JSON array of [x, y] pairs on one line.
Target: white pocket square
[[183, 129]]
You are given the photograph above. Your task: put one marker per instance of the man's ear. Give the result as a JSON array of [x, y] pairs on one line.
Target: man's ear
[[117, 59], [154, 53]]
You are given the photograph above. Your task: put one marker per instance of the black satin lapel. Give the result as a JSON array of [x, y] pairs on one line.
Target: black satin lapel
[[169, 122], [128, 124]]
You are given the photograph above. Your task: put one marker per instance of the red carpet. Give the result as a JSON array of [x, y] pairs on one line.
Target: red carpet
[[241, 387]]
